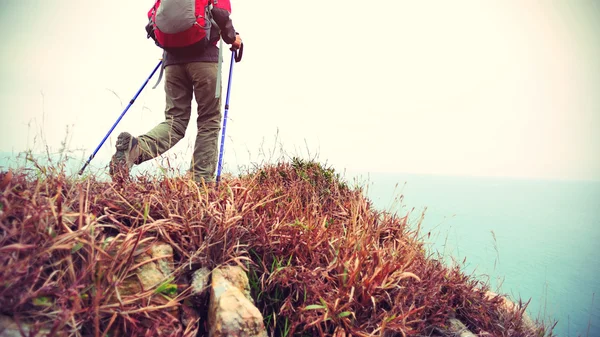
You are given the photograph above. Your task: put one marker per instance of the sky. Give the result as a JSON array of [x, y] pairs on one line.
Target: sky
[[466, 87]]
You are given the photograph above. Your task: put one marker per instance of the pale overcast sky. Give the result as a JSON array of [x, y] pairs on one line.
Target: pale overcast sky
[[467, 87]]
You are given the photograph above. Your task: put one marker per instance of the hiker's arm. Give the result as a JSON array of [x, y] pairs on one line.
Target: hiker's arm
[[221, 17]]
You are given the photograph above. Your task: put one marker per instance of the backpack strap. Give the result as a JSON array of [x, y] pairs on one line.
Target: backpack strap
[[162, 69], [218, 86]]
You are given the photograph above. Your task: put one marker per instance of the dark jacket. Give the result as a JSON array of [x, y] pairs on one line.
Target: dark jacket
[[210, 53]]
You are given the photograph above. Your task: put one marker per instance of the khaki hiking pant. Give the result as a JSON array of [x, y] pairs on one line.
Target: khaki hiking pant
[[181, 82]]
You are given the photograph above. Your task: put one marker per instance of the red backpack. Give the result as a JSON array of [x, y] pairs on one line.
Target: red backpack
[[177, 24]]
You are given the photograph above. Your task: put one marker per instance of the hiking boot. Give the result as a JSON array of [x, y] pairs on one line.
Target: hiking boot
[[124, 158]]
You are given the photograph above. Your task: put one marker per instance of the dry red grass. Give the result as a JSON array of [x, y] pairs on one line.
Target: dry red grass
[[321, 259]]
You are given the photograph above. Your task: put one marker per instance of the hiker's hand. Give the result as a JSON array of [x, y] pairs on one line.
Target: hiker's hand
[[237, 43]]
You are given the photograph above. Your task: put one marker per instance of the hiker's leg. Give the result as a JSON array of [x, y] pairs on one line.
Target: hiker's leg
[[178, 92], [204, 162]]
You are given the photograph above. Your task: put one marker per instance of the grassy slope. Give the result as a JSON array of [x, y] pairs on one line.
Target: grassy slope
[[320, 258]]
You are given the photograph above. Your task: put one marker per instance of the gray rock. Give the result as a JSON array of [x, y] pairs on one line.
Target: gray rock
[[200, 282]]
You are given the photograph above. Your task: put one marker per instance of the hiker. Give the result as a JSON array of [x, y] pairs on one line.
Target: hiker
[[189, 71]]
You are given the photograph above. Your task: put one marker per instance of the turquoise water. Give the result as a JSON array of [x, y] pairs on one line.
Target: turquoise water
[[535, 239]]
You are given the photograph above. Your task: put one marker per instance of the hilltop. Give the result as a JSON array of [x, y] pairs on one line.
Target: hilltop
[[320, 259]]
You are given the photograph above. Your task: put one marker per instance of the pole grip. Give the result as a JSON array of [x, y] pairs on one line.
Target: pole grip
[[239, 53]]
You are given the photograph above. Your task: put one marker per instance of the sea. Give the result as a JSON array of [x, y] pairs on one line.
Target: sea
[[537, 241]]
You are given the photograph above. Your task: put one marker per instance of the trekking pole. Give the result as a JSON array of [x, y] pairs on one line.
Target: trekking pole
[[237, 56], [120, 117]]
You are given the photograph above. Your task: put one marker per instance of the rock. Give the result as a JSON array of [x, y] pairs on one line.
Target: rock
[[156, 261], [200, 285], [511, 307], [231, 310], [457, 328], [10, 328], [155, 272], [195, 308], [238, 278]]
